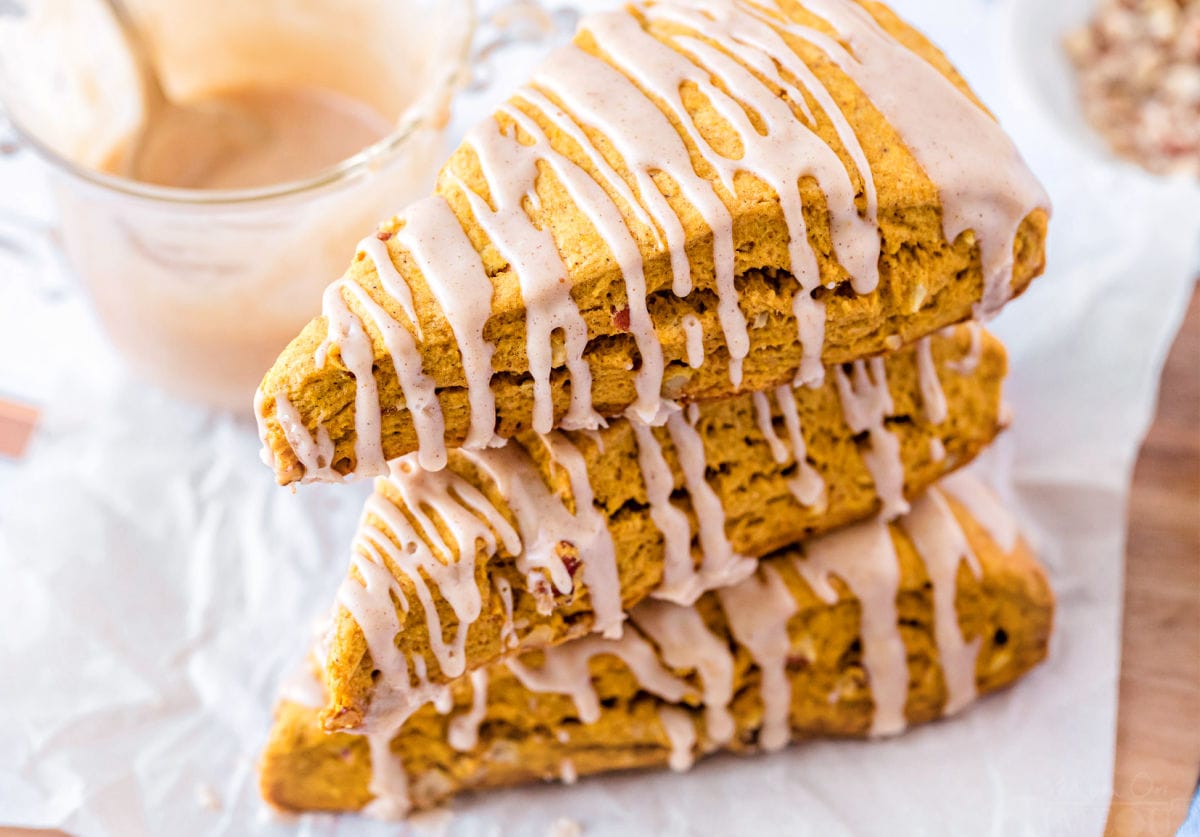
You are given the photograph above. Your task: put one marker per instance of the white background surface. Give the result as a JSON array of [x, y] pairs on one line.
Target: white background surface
[[155, 585]]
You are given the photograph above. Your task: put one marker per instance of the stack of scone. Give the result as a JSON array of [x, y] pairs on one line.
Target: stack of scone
[[662, 388]]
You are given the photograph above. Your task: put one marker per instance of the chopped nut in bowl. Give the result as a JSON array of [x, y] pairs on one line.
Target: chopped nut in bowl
[[1138, 71]]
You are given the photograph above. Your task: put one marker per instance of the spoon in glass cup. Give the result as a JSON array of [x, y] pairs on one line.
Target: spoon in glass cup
[[187, 140]]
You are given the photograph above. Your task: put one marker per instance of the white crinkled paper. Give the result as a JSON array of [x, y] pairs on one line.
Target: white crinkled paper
[[155, 585]]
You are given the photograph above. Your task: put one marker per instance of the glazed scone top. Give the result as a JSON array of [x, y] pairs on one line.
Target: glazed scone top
[[629, 161], [671, 638]]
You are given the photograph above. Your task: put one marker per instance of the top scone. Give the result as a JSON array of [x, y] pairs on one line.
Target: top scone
[[695, 197]]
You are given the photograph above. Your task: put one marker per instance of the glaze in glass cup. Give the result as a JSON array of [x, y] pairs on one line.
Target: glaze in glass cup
[[200, 289]]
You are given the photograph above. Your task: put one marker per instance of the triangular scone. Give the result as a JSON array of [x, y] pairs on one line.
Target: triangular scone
[[861, 632], [563, 533], [695, 198]]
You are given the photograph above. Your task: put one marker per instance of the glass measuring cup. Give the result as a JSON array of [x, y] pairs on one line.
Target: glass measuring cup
[[200, 289]]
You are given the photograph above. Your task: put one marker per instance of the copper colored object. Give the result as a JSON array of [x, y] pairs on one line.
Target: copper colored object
[[17, 422]]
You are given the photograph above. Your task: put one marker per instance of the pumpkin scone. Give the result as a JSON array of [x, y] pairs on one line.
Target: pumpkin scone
[[693, 199], [555, 536], [858, 633]]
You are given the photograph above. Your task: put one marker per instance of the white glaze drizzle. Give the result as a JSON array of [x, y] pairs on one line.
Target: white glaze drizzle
[[943, 547], [565, 671], [864, 558], [596, 95], [599, 565], [720, 565], [693, 334], [420, 391], [452, 271], [508, 631], [346, 331], [982, 182], [458, 281], [866, 404], [766, 426], [933, 397], [510, 170], [937, 449], [984, 506], [567, 774], [604, 99], [470, 519], [266, 453], [662, 71], [442, 698], [806, 486], [685, 642], [389, 780], [758, 610], [563, 121], [856, 236], [463, 730], [597, 439], [787, 151], [393, 283], [678, 564], [316, 455], [371, 606], [606, 217], [680, 730], [543, 521]]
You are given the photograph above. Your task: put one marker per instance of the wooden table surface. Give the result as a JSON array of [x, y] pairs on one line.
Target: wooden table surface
[[1158, 727]]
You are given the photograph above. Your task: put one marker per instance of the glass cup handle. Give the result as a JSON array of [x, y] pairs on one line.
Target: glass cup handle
[[33, 246], [513, 23]]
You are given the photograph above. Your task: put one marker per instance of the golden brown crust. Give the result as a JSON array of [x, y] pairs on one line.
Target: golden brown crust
[[525, 736], [762, 515], [926, 283]]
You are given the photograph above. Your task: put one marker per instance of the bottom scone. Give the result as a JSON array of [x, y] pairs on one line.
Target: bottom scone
[[858, 633]]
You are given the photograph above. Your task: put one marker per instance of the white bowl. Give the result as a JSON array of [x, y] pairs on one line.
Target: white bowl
[[1035, 30]]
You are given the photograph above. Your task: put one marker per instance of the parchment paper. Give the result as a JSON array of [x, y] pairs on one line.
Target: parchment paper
[[155, 585]]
